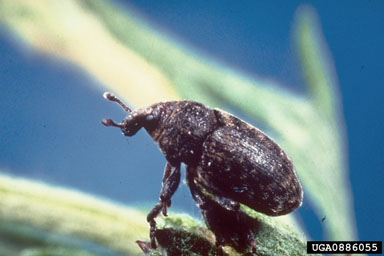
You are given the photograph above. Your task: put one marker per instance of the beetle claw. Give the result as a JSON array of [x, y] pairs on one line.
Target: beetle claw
[[144, 246]]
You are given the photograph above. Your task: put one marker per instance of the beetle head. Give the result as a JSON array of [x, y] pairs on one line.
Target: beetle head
[[134, 121]]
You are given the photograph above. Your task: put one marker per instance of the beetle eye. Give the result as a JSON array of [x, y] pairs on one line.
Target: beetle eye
[[149, 118]]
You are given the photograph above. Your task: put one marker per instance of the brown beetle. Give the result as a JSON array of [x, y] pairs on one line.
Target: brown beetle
[[226, 157]]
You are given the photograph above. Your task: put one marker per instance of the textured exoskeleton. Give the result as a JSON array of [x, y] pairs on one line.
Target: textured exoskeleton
[[226, 157]]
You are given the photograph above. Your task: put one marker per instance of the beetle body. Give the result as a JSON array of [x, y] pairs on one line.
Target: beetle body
[[225, 156], [232, 158]]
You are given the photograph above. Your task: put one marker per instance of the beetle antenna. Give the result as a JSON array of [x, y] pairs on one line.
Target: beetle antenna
[[111, 97], [110, 122]]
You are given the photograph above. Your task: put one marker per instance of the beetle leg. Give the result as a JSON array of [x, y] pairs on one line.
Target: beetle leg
[[223, 217], [167, 172], [252, 242], [219, 244], [152, 223], [171, 180], [203, 203], [196, 193], [199, 197]]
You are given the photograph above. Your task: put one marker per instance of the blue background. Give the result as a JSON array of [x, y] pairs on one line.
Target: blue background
[[50, 112]]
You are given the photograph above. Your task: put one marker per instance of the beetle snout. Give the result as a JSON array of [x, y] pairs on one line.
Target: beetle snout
[[129, 127], [127, 132]]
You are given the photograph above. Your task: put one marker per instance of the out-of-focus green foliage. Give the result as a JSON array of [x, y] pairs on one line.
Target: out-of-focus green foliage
[[36, 215], [132, 59], [325, 171], [36, 219]]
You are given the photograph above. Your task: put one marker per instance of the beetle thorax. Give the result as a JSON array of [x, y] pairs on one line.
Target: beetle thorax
[[182, 129]]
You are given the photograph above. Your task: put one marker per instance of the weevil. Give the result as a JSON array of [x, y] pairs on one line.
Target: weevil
[[224, 156]]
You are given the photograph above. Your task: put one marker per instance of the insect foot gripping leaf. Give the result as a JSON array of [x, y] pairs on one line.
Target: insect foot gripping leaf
[[225, 156]]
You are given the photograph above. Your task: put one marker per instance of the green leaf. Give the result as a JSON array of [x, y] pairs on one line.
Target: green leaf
[[37, 219]]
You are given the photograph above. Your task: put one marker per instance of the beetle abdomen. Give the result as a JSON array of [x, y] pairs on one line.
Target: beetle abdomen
[[243, 164]]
